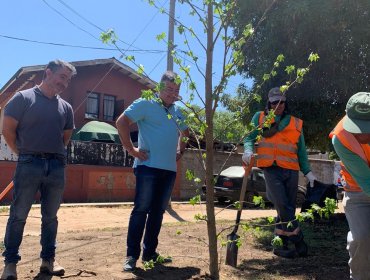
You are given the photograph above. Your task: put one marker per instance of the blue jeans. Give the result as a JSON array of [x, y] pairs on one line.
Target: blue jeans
[[153, 192], [357, 208], [35, 174], [281, 188]]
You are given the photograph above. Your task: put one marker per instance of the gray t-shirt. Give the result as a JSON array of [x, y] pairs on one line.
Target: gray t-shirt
[[41, 121]]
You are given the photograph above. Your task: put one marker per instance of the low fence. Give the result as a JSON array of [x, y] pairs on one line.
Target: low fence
[[81, 152]]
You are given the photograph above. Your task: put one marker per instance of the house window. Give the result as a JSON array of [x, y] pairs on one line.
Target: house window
[[92, 106], [108, 104]]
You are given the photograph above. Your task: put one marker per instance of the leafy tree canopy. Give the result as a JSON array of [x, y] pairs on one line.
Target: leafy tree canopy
[[227, 127], [338, 30]]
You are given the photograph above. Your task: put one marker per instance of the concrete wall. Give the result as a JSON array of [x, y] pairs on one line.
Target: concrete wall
[[89, 183], [326, 171]]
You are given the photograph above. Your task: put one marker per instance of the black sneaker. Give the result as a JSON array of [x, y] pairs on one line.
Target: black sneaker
[[129, 264], [157, 258]]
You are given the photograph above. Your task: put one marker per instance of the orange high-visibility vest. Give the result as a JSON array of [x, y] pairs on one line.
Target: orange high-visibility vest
[[282, 147], [350, 142]]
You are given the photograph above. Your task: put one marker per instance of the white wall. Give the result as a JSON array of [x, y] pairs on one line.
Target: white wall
[[5, 151]]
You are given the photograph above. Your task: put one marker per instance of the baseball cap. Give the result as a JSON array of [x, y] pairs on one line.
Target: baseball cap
[[275, 95], [357, 119]]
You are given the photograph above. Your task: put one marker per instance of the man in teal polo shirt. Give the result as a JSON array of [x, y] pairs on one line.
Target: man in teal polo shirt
[[161, 131]]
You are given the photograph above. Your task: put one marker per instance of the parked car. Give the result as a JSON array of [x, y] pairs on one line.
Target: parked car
[[229, 183]]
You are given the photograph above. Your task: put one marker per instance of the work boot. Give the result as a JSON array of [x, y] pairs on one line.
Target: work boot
[[9, 272], [129, 264], [51, 267], [301, 248], [284, 251]]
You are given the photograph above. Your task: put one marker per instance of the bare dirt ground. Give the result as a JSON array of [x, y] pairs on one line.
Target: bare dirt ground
[[92, 245]]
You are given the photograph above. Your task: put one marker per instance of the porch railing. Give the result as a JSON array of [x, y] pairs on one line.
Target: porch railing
[[95, 153]]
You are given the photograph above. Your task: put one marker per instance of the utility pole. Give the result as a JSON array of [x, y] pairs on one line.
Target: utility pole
[[171, 29]]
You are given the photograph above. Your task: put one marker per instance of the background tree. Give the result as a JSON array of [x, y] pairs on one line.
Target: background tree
[[227, 126], [338, 30]]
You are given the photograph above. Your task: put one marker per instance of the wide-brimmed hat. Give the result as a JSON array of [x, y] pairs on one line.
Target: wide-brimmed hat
[[357, 119], [276, 95]]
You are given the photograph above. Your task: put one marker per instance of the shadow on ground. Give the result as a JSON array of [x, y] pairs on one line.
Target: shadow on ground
[[43, 276], [174, 214], [167, 272]]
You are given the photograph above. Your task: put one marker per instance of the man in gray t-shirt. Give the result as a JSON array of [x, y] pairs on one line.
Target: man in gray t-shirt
[[38, 125]]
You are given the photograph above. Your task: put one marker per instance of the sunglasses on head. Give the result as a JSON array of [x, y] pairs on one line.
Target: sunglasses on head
[[277, 102]]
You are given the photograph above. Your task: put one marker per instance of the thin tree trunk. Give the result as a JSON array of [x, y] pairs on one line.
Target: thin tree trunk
[[211, 221]]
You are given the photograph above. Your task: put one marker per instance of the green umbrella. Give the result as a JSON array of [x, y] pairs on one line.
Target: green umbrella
[[98, 132]]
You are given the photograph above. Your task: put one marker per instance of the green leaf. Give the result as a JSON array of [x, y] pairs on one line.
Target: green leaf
[[237, 205], [147, 94], [161, 36], [148, 265], [140, 70], [192, 86], [108, 37], [266, 77], [290, 69], [280, 58], [277, 242], [195, 200], [284, 88], [313, 57], [200, 217], [258, 201], [130, 58], [181, 29]]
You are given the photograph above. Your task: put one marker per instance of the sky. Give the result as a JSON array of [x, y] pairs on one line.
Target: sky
[[33, 32]]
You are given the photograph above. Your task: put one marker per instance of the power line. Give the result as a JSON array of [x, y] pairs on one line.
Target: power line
[[85, 19], [71, 22], [90, 22], [77, 46], [101, 29], [122, 54]]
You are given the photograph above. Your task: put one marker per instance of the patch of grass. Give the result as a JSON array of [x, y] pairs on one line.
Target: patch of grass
[[320, 233], [327, 255], [262, 231], [328, 236]]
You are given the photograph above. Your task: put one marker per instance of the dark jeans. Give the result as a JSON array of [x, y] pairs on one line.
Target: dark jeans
[[153, 191], [35, 174], [281, 188]]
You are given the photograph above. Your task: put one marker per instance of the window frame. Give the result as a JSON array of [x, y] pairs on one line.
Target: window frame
[[112, 101], [89, 114]]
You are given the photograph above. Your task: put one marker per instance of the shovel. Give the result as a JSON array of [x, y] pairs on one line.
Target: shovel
[[232, 238], [6, 190]]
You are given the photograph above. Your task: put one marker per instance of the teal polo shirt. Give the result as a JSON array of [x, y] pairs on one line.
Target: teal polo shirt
[[159, 131]]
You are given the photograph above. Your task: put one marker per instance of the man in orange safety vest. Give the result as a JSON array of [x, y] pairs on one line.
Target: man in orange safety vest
[[281, 153], [351, 141]]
